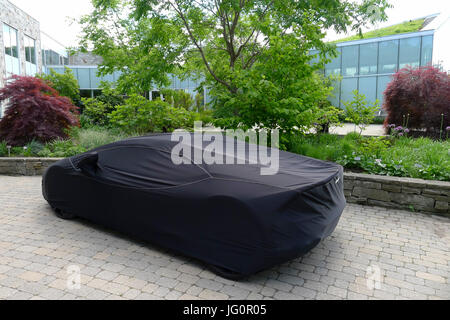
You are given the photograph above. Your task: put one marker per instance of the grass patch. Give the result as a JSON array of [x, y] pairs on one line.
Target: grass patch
[[405, 27]]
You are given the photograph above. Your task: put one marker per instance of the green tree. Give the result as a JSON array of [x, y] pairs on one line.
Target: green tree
[[65, 83], [252, 54]]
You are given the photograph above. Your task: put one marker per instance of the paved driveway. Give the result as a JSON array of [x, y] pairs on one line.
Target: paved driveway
[[373, 253]]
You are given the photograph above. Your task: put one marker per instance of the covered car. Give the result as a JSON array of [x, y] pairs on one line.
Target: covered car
[[227, 215]]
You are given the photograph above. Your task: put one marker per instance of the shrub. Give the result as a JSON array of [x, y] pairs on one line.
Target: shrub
[[178, 98], [65, 83], [419, 99], [142, 116], [94, 137], [96, 110], [35, 112], [33, 148], [61, 149], [359, 111], [3, 149]]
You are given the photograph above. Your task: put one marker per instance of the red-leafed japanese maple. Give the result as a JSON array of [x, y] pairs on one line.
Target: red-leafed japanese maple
[[34, 111], [418, 98]]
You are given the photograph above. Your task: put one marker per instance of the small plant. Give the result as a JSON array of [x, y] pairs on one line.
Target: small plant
[[359, 111], [3, 149], [397, 131]]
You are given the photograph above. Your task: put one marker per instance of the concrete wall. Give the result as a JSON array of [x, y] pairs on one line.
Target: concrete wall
[[26, 25]]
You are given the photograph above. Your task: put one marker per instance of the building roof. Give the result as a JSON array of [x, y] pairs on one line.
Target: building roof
[[424, 23]]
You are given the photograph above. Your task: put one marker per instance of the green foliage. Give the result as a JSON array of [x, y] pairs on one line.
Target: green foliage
[[93, 137], [359, 111], [405, 157], [3, 149], [144, 116], [61, 149], [178, 98], [254, 55], [33, 148], [405, 27], [65, 83], [96, 110]]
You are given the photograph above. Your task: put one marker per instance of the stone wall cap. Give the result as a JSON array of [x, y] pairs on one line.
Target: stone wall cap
[[412, 182]]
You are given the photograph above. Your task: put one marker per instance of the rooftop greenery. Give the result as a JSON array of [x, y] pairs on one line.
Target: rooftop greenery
[[405, 27]]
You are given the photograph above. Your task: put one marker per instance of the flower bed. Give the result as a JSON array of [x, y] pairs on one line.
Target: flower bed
[[393, 156]]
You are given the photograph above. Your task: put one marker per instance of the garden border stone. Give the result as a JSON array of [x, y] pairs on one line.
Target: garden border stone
[[428, 196]]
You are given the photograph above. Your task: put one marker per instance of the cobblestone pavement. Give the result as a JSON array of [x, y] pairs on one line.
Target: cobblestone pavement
[[374, 253]]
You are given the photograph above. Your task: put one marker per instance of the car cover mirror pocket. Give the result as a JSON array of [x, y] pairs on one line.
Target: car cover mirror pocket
[[87, 162]]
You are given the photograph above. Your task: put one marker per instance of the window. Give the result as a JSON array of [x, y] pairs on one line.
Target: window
[[10, 42], [368, 87], [30, 50], [84, 78], [409, 52], [381, 86], [427, 50], [368, 55], [387, 56], [347, 86], [334, 97], [30, 56], [350, 61], [334, 67]]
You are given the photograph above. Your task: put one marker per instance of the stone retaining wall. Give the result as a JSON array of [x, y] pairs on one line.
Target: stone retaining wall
[[25, 166], [401, 193], [391, 192]]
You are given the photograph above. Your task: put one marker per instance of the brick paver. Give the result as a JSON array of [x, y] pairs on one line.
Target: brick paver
[[374, 253]]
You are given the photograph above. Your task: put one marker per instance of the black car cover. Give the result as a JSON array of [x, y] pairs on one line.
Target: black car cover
[[227, 215]]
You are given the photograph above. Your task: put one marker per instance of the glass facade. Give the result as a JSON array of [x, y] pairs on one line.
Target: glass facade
[[53, 53], [11, 44], [369, 65]]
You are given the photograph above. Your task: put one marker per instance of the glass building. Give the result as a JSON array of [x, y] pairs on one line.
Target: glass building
[[367, 65], [89, 81]]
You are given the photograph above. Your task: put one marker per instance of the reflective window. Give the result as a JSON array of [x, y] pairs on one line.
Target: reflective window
[[6, 40], [334, 67], [350, 61], [368, 54], [427, 50], [381, 86], [30, 49], [84, 78], [409, 52], [334, 97], [10, 43], [95, 80], [347, 86], [387, 57], [368, 87], [30, 56]]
